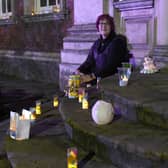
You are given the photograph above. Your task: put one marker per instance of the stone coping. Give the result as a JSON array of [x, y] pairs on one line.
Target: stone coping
[[31, 55], [124, 143], [46, 17], [133, 5]]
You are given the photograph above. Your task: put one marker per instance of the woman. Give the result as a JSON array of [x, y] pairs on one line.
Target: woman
[[106, 54]]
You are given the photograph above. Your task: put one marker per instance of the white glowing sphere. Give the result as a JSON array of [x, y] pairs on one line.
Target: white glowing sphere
[[102, 112]]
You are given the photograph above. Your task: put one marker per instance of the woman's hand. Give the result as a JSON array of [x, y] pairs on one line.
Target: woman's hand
[[86, 78]]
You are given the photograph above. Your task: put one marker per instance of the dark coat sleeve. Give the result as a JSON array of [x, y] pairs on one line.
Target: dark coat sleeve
[[86, 66]]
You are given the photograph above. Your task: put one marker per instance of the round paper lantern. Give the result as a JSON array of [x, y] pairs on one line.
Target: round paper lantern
[[102, 112]]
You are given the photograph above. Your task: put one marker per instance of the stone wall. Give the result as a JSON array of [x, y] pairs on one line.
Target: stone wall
[[30, 45]]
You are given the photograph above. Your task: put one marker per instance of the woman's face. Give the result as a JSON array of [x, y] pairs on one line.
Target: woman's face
[[104, 28]]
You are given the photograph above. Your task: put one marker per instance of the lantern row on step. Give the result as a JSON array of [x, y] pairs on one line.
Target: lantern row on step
[[20, 124], [75, 91]]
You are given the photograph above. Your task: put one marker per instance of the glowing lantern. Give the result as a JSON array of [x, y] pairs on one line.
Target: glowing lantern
[[81, 93], [55, 101], [19, 127], [56, 8], [85, 103], [32, 13], [38, 107], [72, 158]]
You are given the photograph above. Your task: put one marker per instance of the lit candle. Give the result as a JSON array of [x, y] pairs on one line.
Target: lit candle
[[85, 103], [32, 13], [38, 107], [56, 8], [123, 80], [81, 93], [55, 101], [72, 161], [33, 116]]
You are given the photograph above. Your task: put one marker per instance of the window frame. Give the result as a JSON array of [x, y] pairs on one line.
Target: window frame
[[7, 14], [38, 9]]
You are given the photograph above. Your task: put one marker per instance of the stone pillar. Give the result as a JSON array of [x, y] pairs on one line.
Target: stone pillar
[[87, 11], [135, 20], [161, 49], [162, 22], [29, 6], [17, 8]]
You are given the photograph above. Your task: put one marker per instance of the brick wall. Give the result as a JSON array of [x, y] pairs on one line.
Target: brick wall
[[34, 36]]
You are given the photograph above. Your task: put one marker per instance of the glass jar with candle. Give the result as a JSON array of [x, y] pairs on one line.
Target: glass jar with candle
[[123, 76]]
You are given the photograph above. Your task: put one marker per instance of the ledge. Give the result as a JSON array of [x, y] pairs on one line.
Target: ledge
[[6, 22], [126, 5], [46, 17], [31, 55]]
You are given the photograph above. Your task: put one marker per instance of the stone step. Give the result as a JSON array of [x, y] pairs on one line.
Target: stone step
[[73, 56], [126, 144], [47, 146], [144, 99], [82, 28], [80, 37], [89, 37], [75, 45]]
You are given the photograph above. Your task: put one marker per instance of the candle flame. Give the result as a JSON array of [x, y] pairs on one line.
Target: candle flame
[[124, 78]]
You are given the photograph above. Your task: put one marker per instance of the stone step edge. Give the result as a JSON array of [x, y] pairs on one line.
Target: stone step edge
[[77, 40], [83, 27], [141, 113], [28, 55], [82, 51], [100, 146]]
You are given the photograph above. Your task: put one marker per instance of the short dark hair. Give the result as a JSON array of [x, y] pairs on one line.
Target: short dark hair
[[108, 18]]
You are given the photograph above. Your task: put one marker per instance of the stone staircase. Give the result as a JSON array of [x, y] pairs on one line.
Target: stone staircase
[[137, 136], [75, 49]]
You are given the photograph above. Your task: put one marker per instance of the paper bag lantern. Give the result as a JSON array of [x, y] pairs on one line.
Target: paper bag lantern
[[19, 127], [102, 112]]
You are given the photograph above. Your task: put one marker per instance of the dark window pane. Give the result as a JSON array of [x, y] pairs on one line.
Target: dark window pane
[[43, 3], [3, 6], [9, 5], [52, 2]]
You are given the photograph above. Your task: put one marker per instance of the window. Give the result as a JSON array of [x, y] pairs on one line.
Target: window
[[5, 9], [47, 6]]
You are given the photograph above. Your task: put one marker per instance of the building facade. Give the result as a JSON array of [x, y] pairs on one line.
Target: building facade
[[31, 37], [55, 35]]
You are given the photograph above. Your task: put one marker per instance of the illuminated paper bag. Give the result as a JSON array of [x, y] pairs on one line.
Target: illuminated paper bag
[[19, 127]]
